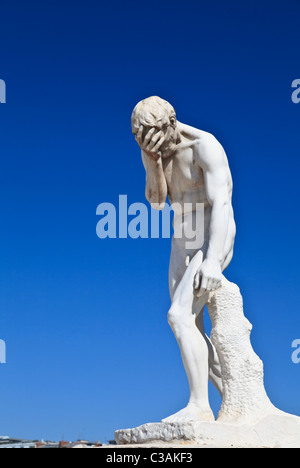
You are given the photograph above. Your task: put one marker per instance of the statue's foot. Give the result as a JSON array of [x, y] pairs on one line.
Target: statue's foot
[[191, 413]]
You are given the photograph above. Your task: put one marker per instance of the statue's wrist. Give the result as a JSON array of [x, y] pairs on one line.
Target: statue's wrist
[[212, 258]]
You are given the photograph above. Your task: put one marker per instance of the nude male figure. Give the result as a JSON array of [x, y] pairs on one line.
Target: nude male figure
[[190, 166]]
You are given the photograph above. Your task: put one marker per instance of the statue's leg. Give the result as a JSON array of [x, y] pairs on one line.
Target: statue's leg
[[215, 375], [193, 346]]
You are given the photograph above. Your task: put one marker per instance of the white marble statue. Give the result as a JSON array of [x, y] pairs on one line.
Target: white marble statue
[[191, 168]]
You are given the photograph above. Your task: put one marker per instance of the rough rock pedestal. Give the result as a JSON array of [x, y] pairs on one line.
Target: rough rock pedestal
[[244, 396]]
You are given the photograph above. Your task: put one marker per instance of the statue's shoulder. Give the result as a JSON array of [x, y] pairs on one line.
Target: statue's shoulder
[[208, 151], [200, 137]]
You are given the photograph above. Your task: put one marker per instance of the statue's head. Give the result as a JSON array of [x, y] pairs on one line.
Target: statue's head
[[156, 113]]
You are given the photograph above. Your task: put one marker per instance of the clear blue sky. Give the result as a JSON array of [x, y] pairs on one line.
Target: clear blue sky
[[89, 349]]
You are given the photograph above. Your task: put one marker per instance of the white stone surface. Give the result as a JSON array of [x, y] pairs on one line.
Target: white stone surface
[[273, 431], [244, 396]]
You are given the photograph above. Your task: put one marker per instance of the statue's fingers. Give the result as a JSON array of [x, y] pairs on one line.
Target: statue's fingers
[[204, 283], [154, 140], [158, 145], [197, 281], [148, 137], [139, 135], [203, 288]]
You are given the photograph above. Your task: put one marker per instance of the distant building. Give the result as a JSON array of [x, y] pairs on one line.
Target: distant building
[[9, 442]]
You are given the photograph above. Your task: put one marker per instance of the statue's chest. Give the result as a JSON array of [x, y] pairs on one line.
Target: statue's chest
[[182, 171]]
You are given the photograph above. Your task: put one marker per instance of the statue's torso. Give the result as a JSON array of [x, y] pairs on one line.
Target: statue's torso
[[185, 178], [186, 188]]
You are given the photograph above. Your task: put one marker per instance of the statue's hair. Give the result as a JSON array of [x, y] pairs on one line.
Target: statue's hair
[[152, 112]]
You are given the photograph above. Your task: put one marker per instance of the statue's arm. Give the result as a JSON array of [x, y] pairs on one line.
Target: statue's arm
[[213, 161], [156, 185]]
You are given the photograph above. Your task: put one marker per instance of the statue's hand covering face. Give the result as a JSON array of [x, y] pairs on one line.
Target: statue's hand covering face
[[155, 127]]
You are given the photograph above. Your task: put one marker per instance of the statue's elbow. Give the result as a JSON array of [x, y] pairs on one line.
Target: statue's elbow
[[157, 201], [158, 206]]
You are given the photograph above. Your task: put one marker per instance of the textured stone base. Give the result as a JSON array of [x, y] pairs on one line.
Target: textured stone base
[[278, 430]]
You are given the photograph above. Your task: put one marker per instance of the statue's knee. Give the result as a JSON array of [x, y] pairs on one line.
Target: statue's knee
[[174, 317], [180, 319]]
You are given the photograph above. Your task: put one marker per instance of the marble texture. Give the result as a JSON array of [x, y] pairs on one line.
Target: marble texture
[[277, 430], [244, 395]]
